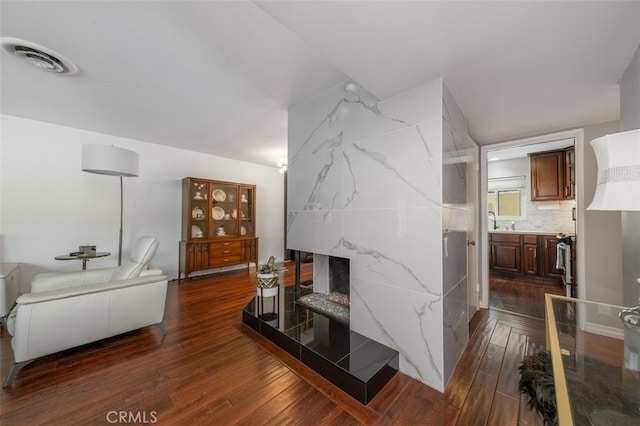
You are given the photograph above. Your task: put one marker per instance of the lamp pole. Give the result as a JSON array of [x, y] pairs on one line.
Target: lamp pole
[[121, 216]]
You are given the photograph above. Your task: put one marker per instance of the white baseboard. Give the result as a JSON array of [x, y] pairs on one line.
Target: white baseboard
[[603, 330]]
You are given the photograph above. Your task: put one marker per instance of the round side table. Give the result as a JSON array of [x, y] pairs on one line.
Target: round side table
[[84, 257]]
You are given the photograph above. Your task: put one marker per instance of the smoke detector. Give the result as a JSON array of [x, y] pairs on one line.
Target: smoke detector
[[38, 56]]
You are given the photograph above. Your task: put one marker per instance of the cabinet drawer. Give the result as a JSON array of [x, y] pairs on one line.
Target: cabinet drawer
[[225, 244], [530, 239], [506, 238], [223, 260], [218, 251]]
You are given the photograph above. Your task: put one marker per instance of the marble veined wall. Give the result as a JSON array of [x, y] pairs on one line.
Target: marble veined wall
[[366, 183]]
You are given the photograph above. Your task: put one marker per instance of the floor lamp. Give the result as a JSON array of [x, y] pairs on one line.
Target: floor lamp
[[618, 157], [618, 185], [112, 161]]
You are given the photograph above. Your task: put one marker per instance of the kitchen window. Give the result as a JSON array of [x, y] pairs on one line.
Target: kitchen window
[[506, 197], [506, 204]]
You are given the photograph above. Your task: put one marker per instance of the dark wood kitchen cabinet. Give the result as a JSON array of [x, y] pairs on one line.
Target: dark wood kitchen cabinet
[[526, 256], [570, 173], [506, 252], [547, 176], [550, 245], [553, 175], [530, 254]]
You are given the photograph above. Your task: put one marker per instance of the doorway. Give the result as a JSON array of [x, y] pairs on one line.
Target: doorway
[[519, 260]]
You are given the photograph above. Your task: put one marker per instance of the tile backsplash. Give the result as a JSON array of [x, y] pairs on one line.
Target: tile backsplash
[[547, 217]]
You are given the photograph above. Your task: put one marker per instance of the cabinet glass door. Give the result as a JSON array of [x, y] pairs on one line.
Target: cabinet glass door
[[224, 211], [199, 209], [247, 212]]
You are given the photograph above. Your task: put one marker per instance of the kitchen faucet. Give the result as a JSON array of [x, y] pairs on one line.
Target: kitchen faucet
[[495, 225]]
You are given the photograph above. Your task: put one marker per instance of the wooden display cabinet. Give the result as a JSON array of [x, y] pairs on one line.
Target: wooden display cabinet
[[218, 225]]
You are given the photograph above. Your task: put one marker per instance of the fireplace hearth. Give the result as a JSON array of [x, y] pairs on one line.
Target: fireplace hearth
[[354, 363]]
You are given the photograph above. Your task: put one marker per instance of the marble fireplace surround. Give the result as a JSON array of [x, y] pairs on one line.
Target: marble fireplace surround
[[381, 183]]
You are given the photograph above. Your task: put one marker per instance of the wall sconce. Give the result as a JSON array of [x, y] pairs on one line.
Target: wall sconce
[[282, 166]]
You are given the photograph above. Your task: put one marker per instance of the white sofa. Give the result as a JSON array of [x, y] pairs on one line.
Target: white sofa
[[65, 310]]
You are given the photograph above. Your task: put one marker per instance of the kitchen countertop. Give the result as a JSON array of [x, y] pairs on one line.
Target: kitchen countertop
[[502, 231]]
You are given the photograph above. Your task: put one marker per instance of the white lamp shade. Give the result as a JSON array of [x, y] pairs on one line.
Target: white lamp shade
[[109, 160], [618, 158]]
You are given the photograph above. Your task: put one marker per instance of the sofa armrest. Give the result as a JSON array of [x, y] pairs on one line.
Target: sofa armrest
[[58, 280], [149, 269], [66, 292]]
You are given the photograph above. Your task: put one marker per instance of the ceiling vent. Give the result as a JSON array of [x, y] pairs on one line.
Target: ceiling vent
[[38, 56]]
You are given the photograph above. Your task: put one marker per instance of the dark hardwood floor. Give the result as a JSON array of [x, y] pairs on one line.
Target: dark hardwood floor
[[520, 297], [210, 369]]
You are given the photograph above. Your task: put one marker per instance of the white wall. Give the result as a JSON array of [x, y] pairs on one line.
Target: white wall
[[49, 206], [630, 95]]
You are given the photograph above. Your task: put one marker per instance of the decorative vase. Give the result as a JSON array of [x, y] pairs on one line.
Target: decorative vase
[[267, 280]]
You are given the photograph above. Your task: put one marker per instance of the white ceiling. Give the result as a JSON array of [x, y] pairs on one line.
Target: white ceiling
[[219, 77]]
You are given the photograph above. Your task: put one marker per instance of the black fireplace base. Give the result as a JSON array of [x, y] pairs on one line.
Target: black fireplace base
[[354, 363]]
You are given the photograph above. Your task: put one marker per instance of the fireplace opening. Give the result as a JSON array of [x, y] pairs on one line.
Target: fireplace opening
[[328, 292]]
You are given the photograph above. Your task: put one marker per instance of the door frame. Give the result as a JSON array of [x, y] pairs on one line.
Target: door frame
[[483, 243], [473, 269]]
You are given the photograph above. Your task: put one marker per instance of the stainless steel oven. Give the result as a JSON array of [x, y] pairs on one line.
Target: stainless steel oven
[[564, 261]]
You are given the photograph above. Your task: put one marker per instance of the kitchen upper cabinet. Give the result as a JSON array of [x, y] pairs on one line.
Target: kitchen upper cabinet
[[570, 172], [553, 175], [547, 176]]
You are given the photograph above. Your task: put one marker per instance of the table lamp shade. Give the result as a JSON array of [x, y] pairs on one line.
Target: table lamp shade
[[618, 158], [109, 160]]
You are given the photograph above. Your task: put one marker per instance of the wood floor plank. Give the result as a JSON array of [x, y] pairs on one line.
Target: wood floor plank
[[509, 374], [480, 339], [500, 335], [492, 360], [504, 410], [313, 409], [265, 402], [421, 405], [478, 405], [520, 296], [458, 388], [392, 390]]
